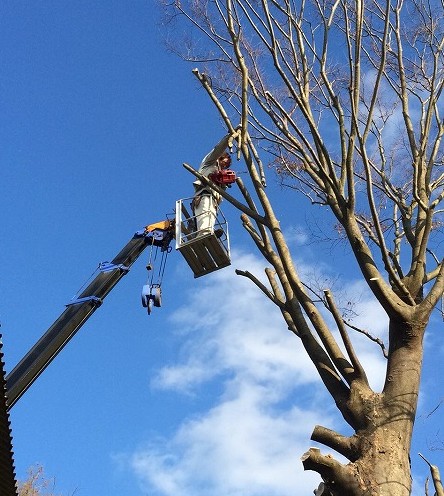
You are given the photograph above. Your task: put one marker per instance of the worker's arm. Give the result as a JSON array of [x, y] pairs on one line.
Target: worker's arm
[[218, 150]]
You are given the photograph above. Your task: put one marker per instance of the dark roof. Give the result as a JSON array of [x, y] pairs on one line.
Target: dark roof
[[7, 471]]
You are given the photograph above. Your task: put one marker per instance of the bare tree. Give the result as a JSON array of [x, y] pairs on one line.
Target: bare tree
[[36, 484], [343, 98]]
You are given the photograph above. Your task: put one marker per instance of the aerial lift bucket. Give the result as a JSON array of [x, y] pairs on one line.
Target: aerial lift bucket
[[204, 252]]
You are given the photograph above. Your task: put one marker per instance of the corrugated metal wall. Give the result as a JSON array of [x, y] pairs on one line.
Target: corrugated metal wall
[[7, 471]]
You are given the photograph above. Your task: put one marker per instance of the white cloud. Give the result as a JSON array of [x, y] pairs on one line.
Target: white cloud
[[237, 448], [250, 440], [240, 330]]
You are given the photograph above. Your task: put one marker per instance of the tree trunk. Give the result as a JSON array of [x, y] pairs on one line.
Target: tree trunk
[[379, 450], [384, 470]]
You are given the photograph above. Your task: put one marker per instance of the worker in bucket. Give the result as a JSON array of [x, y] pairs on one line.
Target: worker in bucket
[[206, 200]]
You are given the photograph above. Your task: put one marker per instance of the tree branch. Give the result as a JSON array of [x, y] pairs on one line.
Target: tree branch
[[228, 197], [331, 471], [434, 472], [261, 286], [344, 445], [356, 371]]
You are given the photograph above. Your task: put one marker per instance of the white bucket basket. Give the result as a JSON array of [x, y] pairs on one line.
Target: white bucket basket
[[204, 251]]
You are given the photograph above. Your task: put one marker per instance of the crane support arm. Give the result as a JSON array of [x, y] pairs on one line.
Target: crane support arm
[[77, 312]]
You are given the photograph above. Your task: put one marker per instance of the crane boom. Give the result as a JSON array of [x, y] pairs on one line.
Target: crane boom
[[78, 311]]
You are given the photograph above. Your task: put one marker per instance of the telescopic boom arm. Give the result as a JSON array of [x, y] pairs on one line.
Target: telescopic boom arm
[[78, 311]]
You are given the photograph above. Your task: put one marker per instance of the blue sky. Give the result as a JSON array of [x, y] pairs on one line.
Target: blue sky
[[201, 397]]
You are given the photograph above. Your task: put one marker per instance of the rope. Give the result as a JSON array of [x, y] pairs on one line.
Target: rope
[[163, 264], [150, 265]]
